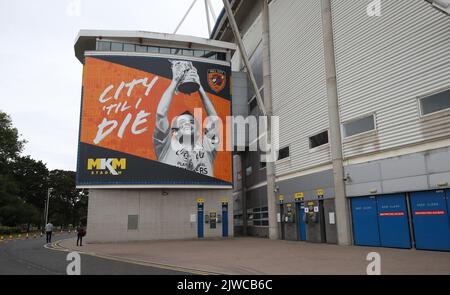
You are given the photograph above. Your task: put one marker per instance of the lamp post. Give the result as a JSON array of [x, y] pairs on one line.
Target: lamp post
[[47, 205]]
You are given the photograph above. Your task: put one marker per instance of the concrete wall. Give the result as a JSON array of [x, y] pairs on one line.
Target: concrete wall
[[414, 172], [308, 184], [161, 216]]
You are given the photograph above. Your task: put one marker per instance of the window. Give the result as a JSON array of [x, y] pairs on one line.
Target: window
[[359, 126], [133, 222], [210, 55], [176, 51], [258, 216], [152, 49], [188, 52], [221, 56], [129, 48], [318, 139], [435, 103], [141, 48], [248, 171], [262, 165], [283, 153], [199, 53], [164, 50], [116, 46], [103, 46]]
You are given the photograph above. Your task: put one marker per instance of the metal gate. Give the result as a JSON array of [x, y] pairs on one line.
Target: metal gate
[[431, 220], [393, 221], [365, 221], [381, 221]]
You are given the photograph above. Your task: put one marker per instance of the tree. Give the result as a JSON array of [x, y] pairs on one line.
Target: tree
[[31, 177], [18, 189], [68, 204], [24, 183], [10, 145], [13, 209]]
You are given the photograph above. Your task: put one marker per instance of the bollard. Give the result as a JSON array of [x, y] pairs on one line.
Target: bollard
[[1, 238], [34, 236], [10, 237], [27, 236], [19, 237]]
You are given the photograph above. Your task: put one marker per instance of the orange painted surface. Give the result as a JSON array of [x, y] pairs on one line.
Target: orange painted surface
[[99, 74]]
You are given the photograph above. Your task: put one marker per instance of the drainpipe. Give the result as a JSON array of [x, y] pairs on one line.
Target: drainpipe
[[270, 167], [267, 78], [244, 195], [340, 201]]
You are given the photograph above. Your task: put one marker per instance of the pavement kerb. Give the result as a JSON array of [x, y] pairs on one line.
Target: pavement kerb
[[58, 247]]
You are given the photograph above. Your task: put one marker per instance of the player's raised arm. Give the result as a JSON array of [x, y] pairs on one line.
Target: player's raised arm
[[212, 127], [162, 123]]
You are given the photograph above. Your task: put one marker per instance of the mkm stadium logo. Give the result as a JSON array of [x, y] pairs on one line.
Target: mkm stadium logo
[[106, 166]]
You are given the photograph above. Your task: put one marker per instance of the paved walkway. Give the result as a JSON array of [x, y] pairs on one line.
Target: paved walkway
[[263, 256]]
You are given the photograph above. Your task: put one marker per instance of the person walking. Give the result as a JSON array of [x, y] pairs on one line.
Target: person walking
[[48, 231], [81, 232]]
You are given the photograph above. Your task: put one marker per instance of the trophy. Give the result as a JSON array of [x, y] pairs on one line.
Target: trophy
[[188, 83]]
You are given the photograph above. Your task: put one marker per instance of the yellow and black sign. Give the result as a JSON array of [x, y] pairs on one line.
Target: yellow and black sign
[[107, 166], [320, 192], [299, 196]]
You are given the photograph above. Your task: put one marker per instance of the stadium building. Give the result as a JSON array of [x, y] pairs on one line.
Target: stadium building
[[393, 105], [393, 85], [154, 169]]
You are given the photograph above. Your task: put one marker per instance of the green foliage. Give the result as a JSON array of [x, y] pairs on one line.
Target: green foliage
[[31, 177], [69, 205], [24, 183], [10, 145]]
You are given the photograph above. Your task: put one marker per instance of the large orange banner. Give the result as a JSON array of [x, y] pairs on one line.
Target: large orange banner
[[149, 120]]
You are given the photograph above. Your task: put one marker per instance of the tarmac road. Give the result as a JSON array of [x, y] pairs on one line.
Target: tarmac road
[[30, 257]]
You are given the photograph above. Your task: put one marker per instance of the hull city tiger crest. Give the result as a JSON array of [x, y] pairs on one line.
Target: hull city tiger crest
[[216, 80]]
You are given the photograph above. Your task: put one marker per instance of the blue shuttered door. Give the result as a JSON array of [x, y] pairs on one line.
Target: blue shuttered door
[[224, 220], [365, 221], [447, 196], [200, 220], [393, 221], [300, 223], [431, 220]]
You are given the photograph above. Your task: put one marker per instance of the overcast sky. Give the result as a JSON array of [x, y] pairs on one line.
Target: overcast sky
[[40, 78]]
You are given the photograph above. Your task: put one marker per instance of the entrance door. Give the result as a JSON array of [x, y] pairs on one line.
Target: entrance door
[[300, 221], [224, 220], [431, 220], [200, 220], [393, 221], [365, 221]]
